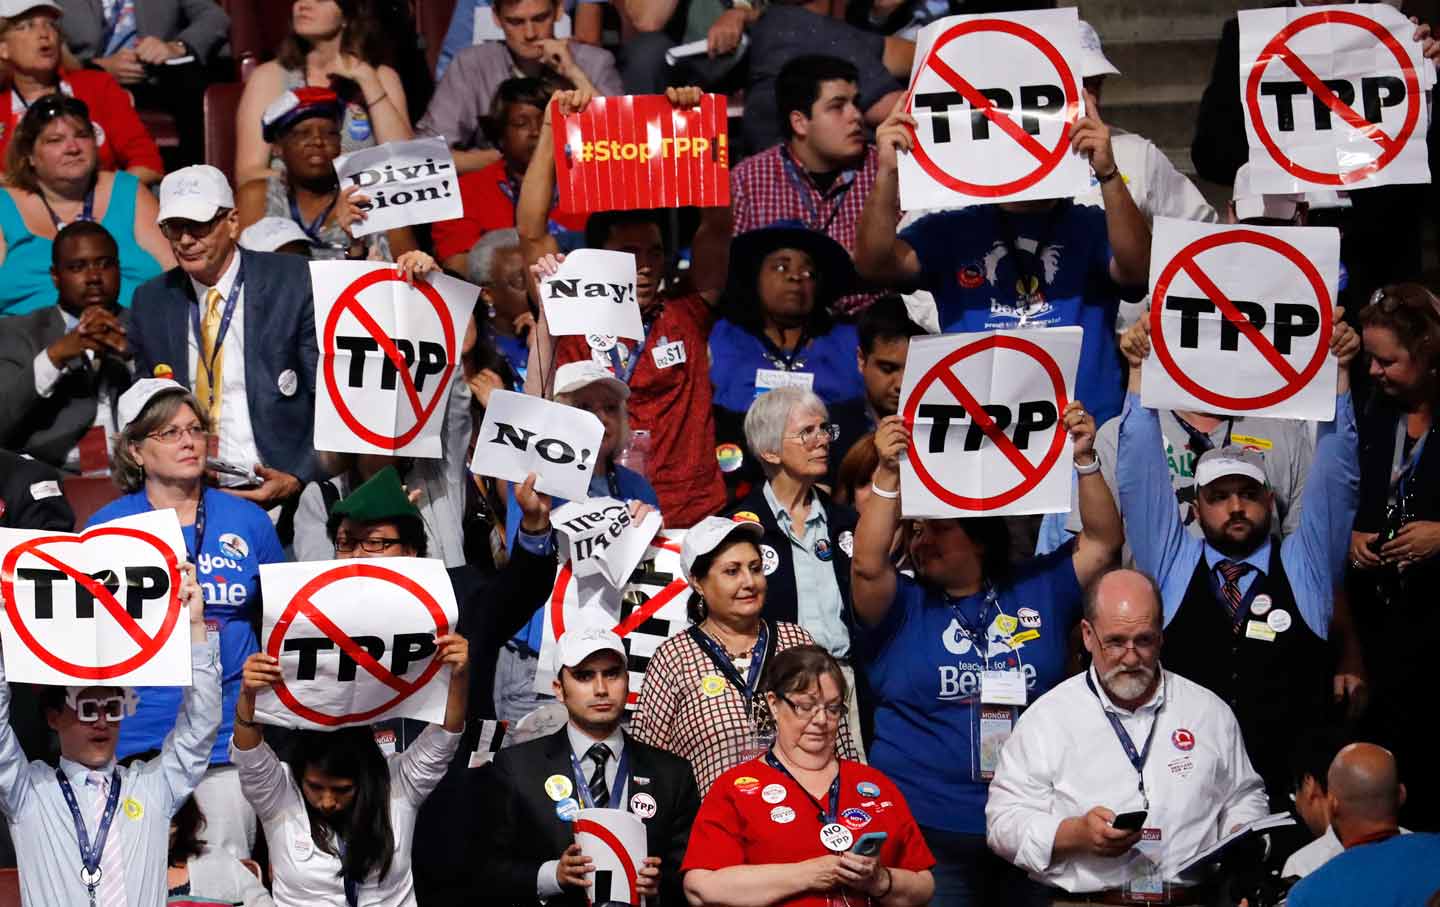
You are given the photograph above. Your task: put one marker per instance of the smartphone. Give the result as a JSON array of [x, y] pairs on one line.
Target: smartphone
[[215, 464], [869, 843], [1130, 821]]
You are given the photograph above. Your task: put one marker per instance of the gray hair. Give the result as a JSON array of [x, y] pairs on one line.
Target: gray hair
[[480, 261], [767, 417], [126, 470]]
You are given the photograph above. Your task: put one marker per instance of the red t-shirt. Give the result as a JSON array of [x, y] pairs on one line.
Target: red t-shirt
[[673, 404], [489, 199], [120, 136], [755, 815]]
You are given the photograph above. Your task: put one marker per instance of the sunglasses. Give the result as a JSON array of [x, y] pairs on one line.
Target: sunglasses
[[90, 710], [176, 227], [56, 105]]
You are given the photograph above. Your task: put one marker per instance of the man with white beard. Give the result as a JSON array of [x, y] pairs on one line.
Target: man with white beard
[[1118, 776]]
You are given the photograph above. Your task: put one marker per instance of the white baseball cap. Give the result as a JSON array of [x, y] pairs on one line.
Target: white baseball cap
[[270, 233], [574, 646], [197, 193], [708, 534], [10, 9], [572, 376], [1250, 203], [133, 402], [1230, 461], [1093, 61]]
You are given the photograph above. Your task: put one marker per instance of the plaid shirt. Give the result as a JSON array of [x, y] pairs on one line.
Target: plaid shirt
[[714, 732]]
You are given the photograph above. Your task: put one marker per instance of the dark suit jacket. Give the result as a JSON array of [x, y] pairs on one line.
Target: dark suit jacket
[[518, 830], [47, 428], [25, 498], [279, 325], [201, 24]]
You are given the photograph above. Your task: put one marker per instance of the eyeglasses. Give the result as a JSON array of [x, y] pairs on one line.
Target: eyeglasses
[[344, 545], [173, 434], [90, 710], [813, 435], [1144, 646], [176, 227], [784, 268], [835, 710]]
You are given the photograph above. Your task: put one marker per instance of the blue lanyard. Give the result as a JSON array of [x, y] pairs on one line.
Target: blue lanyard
[[624, 372], [1137, 759], [90, 856], [744, 685], [804, 190], [1400, 473], [622, 778], [230, 303], [352, 886], [87, 213], [312, 229], [826, 816], [1200, 441], [977, 637]]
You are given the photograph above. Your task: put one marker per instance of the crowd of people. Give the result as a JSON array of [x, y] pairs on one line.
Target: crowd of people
[[1229, 622]]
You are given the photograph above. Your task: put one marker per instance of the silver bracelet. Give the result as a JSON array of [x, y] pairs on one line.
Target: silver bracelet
[[1093, 468], [880, 492]]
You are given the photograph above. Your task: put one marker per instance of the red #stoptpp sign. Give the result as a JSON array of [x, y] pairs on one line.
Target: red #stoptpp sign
[[349, 301]]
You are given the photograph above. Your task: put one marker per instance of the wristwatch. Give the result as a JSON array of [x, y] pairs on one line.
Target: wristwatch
[[1092, 467]]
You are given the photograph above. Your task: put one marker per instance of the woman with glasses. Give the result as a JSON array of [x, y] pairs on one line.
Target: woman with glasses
[[778, 332], [54, 177], [34, 64], [954, 654], [158, 459], [699, 695], [800, 824], [303, 126]]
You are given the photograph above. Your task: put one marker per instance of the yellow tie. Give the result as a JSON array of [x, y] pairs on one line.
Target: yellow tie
[[208, 383]]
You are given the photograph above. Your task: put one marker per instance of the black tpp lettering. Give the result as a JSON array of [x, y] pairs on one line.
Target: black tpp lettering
[[422, 360], [142, 584], [405, 650], [1035, 100], [1028, 419], [1376, 93], [1292, 320]]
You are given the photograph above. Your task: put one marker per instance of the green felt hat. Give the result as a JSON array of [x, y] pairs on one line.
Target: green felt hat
[[381, 497]]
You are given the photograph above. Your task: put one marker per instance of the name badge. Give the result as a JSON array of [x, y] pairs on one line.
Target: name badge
[[1002, 687], [996, 723], [212, 630], [1258, 629], [669, 355], [767, 379]]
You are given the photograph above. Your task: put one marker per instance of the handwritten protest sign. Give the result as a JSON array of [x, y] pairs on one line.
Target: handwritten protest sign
[[389, 355], [614, 840], [407, 183], [995, 98], [97, 607], [984, 412], [593, 293], [639, 151], [1240, 319], [522, 434], [597, 536], [1334, 97], [356, 641]]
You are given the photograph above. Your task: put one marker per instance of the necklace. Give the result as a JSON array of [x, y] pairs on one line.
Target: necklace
[[745, 649]]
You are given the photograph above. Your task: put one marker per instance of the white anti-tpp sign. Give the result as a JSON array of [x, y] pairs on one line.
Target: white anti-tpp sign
[[1241, 319], [404, 183], [995, 99], [389, 354], [984, 412], [522, 434], [98, 607], [593, 292]]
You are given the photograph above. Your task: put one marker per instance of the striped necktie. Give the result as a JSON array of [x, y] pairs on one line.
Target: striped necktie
[[1233, 571], [112, 862], [599, 792], [208, 383]]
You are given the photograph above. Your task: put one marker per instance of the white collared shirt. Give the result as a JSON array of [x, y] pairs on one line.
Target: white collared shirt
[[237, 434], [1064, 758], [580, 743], [47, 375]]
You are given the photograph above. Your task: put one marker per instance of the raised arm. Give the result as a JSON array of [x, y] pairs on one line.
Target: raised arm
[[14, 770], [880, 256], [185, 755], [1101, 532], [872, 575], [1127, 229]]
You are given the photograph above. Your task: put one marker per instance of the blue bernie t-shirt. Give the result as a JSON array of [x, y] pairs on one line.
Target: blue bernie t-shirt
[[968, 259], [926, 678], [736, 355], [239, 537]]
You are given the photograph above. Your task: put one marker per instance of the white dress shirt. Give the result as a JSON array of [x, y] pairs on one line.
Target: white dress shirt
[[580, 743], [237, 434], [306, 876], [47, 375], [1064, 758], [47, 849]]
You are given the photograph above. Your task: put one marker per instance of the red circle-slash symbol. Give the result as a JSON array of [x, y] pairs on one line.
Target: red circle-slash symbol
[[349, 301], [1031, 473], [303, 604], [148, 645]]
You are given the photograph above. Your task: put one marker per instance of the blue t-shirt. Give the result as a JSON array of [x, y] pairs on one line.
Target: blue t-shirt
[[736, 354], [1062, 278], [239, 537], [1401, 872], [925, 674]]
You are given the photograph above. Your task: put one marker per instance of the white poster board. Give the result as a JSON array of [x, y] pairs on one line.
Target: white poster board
[[404, 183]]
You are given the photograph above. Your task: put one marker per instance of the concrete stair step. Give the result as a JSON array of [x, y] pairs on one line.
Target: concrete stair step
[[1147, 67], [1169, 123]]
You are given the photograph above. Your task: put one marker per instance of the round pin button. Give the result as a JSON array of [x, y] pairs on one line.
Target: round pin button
[[1279, 621], [1260, 605], [558, 787], [773, 793], [836, 837], [601, 343]]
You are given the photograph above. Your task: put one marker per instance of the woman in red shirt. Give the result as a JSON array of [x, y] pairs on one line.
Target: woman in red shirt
[[30, 66], [790, 827]]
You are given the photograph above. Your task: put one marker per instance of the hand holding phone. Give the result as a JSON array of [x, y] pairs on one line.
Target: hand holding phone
[[868, 844], [1133, 821]]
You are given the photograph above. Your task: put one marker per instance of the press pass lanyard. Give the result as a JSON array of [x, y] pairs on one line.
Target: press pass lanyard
[[90, 856], [977, 637], [1401, 468], [1136, 759], [744, 685], [826, 816], [312, 229], [582, 784], [209, 364], [352, 887]]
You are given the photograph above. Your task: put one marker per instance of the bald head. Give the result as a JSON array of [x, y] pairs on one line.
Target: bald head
[[1364, 784], [1128, 596]]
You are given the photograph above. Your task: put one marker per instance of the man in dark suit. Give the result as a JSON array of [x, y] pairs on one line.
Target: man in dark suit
[[31, 497], [58, 363], [525, 846], [237, 327]]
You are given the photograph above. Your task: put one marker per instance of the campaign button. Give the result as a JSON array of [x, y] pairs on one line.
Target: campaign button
[[1278, 620], [1260, 605], [558, 787], [782, 815], [836, 837], [773, 793], [643, 805]]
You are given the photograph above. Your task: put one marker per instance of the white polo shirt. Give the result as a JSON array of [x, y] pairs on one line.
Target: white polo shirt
[[1065, 758]]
